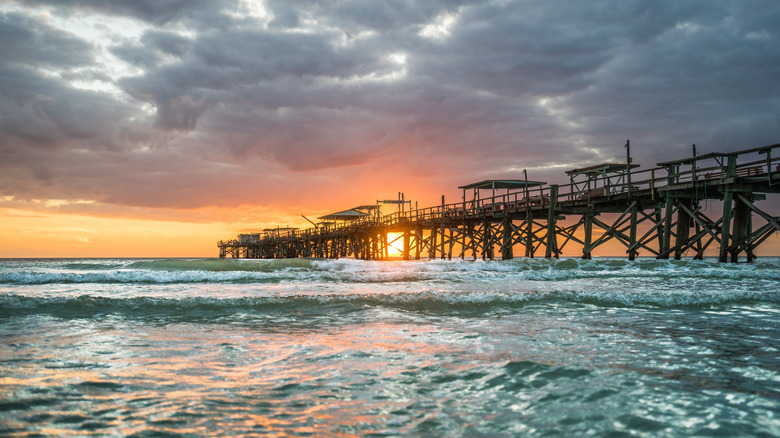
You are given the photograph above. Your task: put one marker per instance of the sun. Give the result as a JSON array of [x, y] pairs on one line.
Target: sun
[[395, 244]]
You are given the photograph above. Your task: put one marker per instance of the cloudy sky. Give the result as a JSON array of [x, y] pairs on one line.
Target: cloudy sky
[[129, 127]]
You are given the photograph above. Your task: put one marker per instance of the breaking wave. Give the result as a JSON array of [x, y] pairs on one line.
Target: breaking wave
[[168, 271], [335, 304]]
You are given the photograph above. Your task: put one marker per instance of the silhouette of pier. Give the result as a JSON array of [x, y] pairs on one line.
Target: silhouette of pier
[[652, 212]]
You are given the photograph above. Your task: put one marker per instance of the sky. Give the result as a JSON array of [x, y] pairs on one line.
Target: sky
[[157, 127]]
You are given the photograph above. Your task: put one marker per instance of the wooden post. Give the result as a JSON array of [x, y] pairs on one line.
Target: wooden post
[[552, 242], [683, 229], [406, 245], [417, 241], [699, 249], [748, 231], [740, 230], [628, 168], [432, 241], [506, 244], [632, 252], [464, 231], [586, 249], [659, 229], [529, 233], [487, 241], [463, 228], [731, 171], [652, 184], [451, 245], [443, 232], [473, 241], [668, 210], [443, 207], [725, 226]]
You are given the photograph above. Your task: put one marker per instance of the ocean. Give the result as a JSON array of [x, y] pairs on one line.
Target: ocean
[[304, 347]]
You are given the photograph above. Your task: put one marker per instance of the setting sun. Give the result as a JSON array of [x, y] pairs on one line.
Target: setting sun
[[395, 247]]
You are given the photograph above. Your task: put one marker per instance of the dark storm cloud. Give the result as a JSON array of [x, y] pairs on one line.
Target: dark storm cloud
[[28, 41], [153, 11], [170, 43], [38, 107], [383, 17], [705, 79], [478, 88], [138, 56], [221, 67]]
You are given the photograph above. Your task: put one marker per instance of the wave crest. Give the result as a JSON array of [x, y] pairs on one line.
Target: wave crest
[[428, 301], [167, 271]]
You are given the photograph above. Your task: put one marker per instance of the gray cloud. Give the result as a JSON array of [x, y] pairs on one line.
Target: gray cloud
[[38, 106], [212, 98], [170, 43], [152, 11], [27, 41]]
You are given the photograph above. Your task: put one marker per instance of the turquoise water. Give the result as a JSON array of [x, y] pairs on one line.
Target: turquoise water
[[209, 347]]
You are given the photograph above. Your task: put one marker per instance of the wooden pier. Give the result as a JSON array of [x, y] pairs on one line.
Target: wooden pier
[[653, 212]]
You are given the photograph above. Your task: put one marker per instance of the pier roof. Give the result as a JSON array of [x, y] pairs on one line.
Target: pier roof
[[346, 215], [598, 169], [490, 184]]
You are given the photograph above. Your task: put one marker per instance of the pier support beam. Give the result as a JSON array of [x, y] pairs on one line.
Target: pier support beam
[[443, 231], [632, 253], [418, 239], [740, 229], [725, 231], [666, 242], [552, 241], [506, 246], [586, 247], [487, 241], [406, 244], [684, 223]]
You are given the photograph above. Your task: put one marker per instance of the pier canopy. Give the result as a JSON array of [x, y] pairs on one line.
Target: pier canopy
[[509, 184], [601, 179], [346, 215], [365, 208], [600, 169], [493, 184]]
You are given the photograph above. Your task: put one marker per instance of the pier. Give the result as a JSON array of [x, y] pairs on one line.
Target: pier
[[651, 212]]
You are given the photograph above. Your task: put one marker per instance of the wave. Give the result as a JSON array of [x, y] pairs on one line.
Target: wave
[[162, 271], [168, 271], [302, 305], [220, 265]]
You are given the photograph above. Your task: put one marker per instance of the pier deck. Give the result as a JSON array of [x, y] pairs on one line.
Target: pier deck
[[655, 212]]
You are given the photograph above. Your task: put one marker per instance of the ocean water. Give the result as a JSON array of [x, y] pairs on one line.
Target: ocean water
[[528, 347]]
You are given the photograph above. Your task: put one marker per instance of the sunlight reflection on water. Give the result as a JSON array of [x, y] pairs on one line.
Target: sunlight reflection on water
[[491, 349], [384, 371]]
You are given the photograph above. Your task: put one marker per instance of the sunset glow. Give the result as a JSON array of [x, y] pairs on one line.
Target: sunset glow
[[132, 129], [395, 247]]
